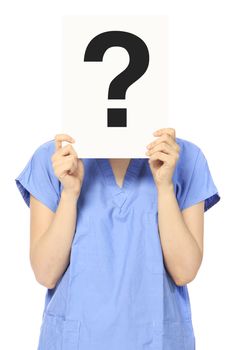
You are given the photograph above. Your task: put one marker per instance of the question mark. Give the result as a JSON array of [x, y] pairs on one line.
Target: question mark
[[138, 63]]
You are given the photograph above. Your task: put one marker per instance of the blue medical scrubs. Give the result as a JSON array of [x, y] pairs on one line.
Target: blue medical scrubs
[[116, 293]]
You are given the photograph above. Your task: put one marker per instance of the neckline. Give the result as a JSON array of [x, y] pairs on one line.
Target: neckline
[[120, 194]]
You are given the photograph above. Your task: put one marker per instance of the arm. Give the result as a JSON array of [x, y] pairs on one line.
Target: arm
[[181, 235], [51, 237]]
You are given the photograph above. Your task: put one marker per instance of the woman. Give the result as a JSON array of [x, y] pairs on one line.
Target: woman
[[116, 247]]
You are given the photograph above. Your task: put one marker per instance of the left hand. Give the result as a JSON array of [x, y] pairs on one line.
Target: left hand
[[163, 154]]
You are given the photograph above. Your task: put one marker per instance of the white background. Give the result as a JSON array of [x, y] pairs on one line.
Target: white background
[[30, 109]]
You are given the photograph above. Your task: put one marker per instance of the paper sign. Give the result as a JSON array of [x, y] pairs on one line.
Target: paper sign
[[115, 83]]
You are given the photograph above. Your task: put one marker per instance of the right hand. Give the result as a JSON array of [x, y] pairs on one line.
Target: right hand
[[68, 168]]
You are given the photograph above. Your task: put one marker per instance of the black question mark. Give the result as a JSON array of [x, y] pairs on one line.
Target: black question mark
[[138, 63]]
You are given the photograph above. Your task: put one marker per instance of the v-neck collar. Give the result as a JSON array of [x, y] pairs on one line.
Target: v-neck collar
[[120, 194]]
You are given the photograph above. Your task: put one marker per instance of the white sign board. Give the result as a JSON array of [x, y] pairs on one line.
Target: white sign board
[[115, 83]]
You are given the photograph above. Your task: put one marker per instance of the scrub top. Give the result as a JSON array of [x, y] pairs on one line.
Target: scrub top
[[116, 292]]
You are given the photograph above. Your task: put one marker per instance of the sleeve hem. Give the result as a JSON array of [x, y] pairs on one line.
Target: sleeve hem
[[210, 200], [25, 192]]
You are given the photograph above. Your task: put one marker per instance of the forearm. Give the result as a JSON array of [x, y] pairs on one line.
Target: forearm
[[181, 252], [51, 253]]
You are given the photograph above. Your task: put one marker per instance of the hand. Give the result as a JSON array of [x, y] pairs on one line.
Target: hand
[[68, 168], [163, 154]]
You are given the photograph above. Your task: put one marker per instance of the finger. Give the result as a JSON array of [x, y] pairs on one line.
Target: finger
[[65, 166], [67, 150], [62, 137], [169, 140], [164, 138], [169, 131], [161, 156], [64, 152], [165, 148]]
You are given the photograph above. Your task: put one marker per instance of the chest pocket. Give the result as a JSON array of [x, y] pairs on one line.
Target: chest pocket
[[153, 248]]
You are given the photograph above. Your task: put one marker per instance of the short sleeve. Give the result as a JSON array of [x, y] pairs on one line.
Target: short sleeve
[[38, 178], [194, 180]]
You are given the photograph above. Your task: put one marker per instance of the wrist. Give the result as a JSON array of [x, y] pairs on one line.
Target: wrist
[[69, 195], [165, 188]]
